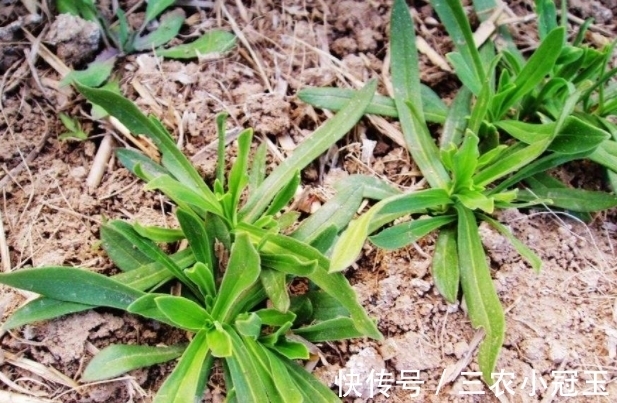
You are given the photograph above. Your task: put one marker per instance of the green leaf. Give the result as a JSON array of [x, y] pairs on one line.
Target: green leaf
[[265, 374], [454, 18], [474, 200], [122, 32], [312, 389], [283, 382], [182, 385], [147, 307], [464, 72], [184, 196], [579, 200], [329, 330], [73, 285], [183, 312], [94, 75], [213, 44], [118, 359], [372, 187], [456, 121], [337, 212], [73, 7], [116, 240], [275, 285], [401, 235], [540, 165], [219, 341], [201, 275], [130, 115], [274, 317], [168, 29], [68, 122], [277, 244], [156, 7], [465, 161], [446, 271], [576, 136], [407, 97], [242, 272], [245, 376], [538, 66], [284, 195], [152, 251], [159, 234], [512, 162], [195, 231], [131, 159], [435, 110], [288, 263], [483, 304], [248, 325], [349, 245], [40, 309], [291, 350], [606, 154], [238, 177], [547, 17], [307, 151], [258, 167], [153, 274], [337, 286]]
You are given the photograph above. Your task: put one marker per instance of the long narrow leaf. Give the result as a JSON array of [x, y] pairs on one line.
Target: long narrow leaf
[[118, 359], [483, 304], [407, 97], [182, 385], [130, 115], [446, 270], [307, 151], [242, 272], [435, 110], [73, 285]]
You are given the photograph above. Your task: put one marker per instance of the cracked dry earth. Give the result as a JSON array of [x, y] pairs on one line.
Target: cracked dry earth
[[561, 322]]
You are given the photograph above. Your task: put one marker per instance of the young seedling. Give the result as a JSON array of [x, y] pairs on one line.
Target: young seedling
[[73, 127], [159, 27], [234, 299]]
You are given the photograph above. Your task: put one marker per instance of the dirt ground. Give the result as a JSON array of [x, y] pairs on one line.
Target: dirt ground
[[561, 323]]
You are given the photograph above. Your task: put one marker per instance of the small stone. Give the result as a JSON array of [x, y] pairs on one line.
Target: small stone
[[421, 286], [557, 353], [533, 349], [460, 349], [78, 172]]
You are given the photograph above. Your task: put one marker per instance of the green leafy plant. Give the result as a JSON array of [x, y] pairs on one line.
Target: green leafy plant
[[234, 275], [119, 36], [485, 151], [73, 127]]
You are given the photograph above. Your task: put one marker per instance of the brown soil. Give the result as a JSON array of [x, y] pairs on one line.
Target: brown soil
[[562, 319]]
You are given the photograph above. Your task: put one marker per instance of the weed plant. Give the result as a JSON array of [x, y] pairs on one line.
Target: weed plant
[[234, 275], [513, 119]]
